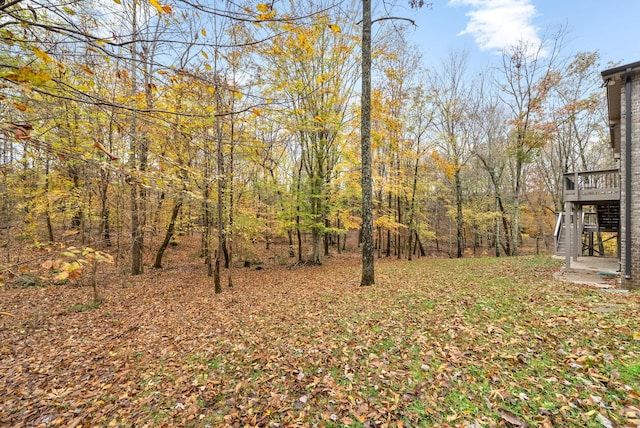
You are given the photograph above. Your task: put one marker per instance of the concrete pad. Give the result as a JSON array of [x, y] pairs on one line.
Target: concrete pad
[[600, 272], [600, 264]]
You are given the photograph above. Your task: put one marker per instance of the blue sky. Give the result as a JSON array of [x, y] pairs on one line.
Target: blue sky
[[484, 27]]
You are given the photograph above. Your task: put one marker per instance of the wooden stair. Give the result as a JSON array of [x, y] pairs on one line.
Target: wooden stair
[[605, 219], [560, 236], [608, 217]]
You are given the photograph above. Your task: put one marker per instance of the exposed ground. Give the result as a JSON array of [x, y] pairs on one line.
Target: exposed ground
[[436, 342]]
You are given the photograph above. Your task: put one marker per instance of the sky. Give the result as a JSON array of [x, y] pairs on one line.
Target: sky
[[485, 27]]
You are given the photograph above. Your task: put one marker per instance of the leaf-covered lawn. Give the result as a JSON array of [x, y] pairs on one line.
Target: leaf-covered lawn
[[473, 342]]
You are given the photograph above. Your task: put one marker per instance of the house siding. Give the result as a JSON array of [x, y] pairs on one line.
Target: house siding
[[631, 279]]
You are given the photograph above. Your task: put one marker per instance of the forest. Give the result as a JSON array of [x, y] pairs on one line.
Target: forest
[[130, 124]]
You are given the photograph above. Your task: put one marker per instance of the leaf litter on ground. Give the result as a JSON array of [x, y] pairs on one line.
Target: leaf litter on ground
[[472, 342]]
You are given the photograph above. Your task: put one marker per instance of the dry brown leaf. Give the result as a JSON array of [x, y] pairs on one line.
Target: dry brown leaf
[[513, 419]]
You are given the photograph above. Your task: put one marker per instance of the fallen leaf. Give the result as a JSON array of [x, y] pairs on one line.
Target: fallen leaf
[[513, 419], [604, 421]]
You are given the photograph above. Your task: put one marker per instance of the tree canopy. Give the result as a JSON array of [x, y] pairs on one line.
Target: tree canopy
[[129, 123]]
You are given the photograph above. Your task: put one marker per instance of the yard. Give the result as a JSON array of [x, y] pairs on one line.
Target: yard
[[436, 342]]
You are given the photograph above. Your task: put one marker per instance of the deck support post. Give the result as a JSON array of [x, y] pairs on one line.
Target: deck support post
[[568, 228], [577, 231]]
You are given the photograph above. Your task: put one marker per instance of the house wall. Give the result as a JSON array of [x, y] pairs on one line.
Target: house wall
[[631, 279]]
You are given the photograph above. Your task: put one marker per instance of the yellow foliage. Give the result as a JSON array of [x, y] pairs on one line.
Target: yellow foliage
[[85, 69], [449, 168], [155, 4], [268, 15], [387, 222], [41, 54], [25, 74]]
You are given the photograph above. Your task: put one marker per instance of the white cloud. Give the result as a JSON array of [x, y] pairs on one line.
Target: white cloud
[[498, 24]]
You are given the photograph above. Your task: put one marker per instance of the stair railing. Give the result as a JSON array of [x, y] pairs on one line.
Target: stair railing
[[557, 234]]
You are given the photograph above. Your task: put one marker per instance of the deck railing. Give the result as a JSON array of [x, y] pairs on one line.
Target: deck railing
[[592, 186]]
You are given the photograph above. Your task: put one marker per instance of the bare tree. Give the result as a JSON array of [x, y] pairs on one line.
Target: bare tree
[[527, 76]]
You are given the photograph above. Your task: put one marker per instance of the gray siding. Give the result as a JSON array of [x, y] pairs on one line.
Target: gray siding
[[634, 223]]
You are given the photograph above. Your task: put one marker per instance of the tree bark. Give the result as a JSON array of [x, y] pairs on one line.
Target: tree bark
[[459, 219], [368, 274], [137, 236], [412, 205], [327, 236], [169, 234], [291, 250], [220, 182]]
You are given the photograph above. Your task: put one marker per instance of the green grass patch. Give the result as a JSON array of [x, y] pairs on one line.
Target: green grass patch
[[84, 307]]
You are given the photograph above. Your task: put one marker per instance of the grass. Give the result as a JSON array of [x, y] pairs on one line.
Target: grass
[[433, 343], [84, 307]]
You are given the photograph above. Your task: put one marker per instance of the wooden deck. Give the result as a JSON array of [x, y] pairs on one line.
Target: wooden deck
[[592, 186]]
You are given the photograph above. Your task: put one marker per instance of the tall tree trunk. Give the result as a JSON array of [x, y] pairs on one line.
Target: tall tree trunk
[[48, 209], [137, 235], [400, 231], [225, 251], [437, 227], [105, 232], [316, 242], [387, 251], [412, 204], [318, 220], [220, 181], [105, 175], [368, 274], [206, 229], [496, 242], [291, 250], [422, 251], [298, 225], [169, 234], [327, 236], [505, 243], [76, 219], [515, 232], [459, 219], [206, 212], [338, 234], [229, 231]]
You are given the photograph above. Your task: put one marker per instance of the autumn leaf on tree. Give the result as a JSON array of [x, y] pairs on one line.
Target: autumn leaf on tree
[[157, 5], [449, 168], [41, 54]]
